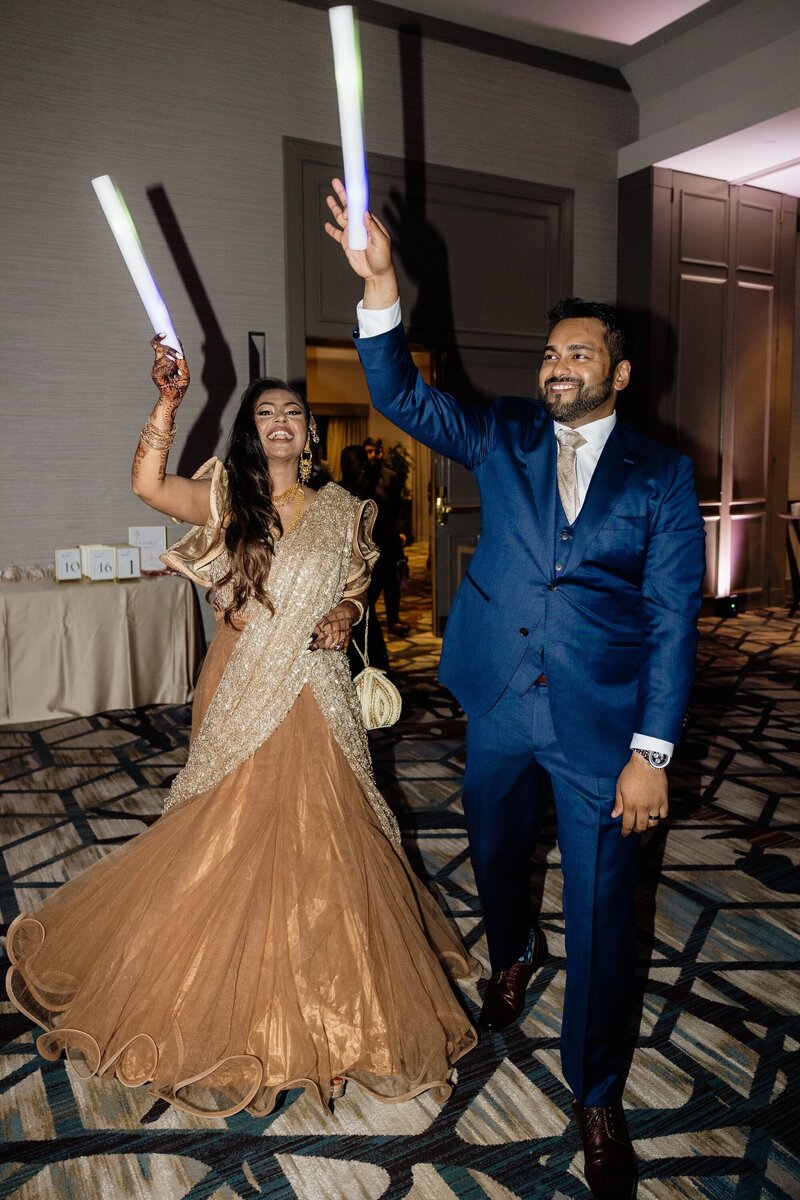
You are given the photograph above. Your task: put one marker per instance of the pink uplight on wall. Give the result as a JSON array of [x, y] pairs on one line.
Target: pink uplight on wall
[[724, 561]]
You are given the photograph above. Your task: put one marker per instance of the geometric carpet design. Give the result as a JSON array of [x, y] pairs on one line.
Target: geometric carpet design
[[713, 1098]]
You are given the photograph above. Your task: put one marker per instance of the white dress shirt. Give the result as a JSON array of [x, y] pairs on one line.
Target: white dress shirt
[[374, 321], [587, 456]]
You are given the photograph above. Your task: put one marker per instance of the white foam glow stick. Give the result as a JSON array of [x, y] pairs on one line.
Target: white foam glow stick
[[350, 93], [124, 230]]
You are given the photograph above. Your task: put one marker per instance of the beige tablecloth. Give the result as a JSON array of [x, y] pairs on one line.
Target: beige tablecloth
[[80, 648]]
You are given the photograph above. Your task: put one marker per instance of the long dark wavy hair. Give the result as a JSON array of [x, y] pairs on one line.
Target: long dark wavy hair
[[252, 517]]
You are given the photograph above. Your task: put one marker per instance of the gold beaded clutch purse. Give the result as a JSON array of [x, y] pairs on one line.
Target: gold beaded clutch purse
[[379, 699]]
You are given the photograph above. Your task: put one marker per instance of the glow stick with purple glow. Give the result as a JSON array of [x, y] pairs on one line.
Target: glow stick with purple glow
[[124, 230], [350, 93]]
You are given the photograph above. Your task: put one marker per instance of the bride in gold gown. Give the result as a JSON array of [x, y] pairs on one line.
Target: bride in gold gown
[[267, 932]]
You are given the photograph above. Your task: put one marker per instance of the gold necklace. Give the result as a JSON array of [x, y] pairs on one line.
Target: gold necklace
[[298, 512], [297, 494], [290, 493]]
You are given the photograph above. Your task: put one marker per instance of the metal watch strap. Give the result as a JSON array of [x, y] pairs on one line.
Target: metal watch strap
[[657, 759]]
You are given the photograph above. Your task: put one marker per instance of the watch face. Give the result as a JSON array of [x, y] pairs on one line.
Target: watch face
[[658, 758]]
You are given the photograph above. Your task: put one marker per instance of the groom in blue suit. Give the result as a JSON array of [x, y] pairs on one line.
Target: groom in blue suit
[[571, 647]]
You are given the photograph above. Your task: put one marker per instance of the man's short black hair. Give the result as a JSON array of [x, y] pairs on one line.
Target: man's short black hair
[[573, 307]]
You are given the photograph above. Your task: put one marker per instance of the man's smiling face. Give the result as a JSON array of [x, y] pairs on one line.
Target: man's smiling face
[[576, 380]]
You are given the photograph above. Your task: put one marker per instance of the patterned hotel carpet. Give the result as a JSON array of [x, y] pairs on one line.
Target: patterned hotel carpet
[[714, 1089]]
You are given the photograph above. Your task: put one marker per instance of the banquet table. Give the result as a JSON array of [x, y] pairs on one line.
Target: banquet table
[[75, 649]]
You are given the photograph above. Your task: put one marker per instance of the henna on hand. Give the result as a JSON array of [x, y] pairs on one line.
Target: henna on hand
[[333, 630], [170, 373]]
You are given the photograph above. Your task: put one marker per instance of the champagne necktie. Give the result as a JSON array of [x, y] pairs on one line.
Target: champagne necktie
[[567, 470]]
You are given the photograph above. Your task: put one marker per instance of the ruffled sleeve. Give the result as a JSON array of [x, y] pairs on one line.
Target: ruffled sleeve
[[365, 553], [193, 554]]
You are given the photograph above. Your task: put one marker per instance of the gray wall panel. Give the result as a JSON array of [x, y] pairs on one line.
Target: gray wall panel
[[197, 97]]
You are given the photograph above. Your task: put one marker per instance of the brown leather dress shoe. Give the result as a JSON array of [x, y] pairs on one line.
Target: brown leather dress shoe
[[609, 1162], [505, 994]]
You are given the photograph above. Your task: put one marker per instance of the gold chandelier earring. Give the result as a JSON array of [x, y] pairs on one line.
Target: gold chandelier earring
[[306, 461]]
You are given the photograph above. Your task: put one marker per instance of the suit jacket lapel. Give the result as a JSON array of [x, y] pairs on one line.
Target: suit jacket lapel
[[540, 460], [610, 479]]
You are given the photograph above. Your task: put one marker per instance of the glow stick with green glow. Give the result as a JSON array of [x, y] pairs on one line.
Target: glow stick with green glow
[[350, 93], [124, 230]]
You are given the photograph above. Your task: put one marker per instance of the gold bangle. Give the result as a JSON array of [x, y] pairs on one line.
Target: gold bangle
[[157, 439], [358, 605], [159, 434]]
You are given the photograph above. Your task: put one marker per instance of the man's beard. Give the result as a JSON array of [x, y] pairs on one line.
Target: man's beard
[[584, 401]]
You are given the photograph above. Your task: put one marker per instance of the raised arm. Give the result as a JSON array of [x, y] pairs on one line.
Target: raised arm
[[458, 430], [178, 497], [374, 265]]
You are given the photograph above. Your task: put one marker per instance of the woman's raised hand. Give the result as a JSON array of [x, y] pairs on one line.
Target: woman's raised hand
[[170, 371], [376, 260], [178, 497]]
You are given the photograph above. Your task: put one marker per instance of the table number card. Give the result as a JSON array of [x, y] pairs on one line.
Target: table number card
[[68, 564], [129, 563], [101, 563], [91, 552], [152, 542]]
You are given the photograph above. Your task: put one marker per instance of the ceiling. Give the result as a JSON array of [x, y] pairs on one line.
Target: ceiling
[[616, 32], [604, 31], [765, 155]]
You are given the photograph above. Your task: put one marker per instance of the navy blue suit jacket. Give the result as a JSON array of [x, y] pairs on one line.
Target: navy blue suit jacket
[[618, 625]]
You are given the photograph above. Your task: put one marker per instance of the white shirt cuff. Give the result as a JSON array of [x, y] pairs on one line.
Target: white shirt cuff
[[640, 741], [372, 321]]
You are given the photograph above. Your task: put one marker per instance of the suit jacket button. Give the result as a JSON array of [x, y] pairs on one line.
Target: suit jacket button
[[552, 587], [524, 631]]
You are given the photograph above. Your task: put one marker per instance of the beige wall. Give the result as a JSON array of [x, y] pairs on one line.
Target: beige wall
[[197, 97]]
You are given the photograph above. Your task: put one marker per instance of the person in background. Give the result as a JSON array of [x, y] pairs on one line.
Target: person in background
[[356, 479], [386, 489]]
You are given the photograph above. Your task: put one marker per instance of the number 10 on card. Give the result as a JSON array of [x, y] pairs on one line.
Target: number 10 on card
[[68, 565]]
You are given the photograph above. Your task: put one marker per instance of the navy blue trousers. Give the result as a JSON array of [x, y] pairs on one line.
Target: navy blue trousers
[[510, 752]]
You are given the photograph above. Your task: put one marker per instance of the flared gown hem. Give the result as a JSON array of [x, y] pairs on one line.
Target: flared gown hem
[[57, 1041], [261, 937]]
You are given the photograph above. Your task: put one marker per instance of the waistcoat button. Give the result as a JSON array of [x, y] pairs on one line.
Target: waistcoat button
[[552, 587]]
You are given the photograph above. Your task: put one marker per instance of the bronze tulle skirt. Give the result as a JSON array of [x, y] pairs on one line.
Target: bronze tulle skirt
[[264, 935]]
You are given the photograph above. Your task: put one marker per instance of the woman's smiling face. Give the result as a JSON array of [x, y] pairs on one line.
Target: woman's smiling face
[[281, 424]]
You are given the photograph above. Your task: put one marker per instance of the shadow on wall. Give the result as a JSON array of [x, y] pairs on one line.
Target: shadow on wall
[[218, 375], [418, 244], [648, 402]]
